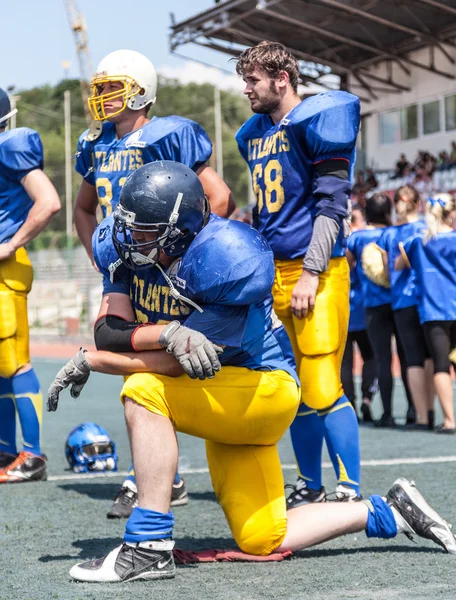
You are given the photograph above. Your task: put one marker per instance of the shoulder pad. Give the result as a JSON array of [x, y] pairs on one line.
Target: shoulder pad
[[228, 263], [250, 128], [330, 124], [21, 150], [94, 131], [104, 253]]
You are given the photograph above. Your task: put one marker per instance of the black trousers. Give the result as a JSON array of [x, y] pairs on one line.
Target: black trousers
[[380, 328], [411, 335], [369, 370]]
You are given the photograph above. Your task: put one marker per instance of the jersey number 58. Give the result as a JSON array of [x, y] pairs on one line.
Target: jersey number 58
[[268, 186]]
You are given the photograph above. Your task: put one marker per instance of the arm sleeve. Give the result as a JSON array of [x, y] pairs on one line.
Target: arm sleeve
[[321, 245], [224, 325], [84, 159], [189, 145], [23, 154]]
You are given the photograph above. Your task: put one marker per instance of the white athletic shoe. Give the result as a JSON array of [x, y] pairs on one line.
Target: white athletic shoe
[[129, 562], [414, 516]]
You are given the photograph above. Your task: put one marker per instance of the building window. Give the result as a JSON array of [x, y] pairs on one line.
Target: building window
[[450, 113], [431, 117], [409, 122], [390, 127]]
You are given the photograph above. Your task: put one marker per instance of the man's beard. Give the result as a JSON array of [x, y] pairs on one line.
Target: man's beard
[[269, 104]]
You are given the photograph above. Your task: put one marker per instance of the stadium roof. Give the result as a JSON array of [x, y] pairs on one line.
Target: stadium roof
[[349, 36]]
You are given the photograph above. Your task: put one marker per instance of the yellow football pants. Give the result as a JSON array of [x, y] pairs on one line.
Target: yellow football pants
[[319, 339], [16, 276], [241, 414]]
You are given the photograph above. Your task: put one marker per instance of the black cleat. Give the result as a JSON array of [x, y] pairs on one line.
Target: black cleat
[[416, 517], [6, 459], [301, 494], [124, 503], [179, 494], [129, 562], [25, 467]]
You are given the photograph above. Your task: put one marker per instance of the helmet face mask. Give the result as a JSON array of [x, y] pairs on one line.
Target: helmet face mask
[[138, 78], [97, 99], [161, 210], [137, 254]]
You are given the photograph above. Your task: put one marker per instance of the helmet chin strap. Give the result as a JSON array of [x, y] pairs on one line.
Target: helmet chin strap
[[8, 116], [175, 293]]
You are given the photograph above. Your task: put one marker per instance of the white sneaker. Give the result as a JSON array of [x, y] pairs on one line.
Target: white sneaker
[[129, 562], [414, 516]]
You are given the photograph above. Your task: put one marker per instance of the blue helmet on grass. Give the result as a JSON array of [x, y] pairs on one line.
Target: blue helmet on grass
[[162, 206], [5, 109], [90, 448]]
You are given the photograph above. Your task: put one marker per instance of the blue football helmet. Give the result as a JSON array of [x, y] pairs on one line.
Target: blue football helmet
[[89, 448], [5, 108], [164, 200]]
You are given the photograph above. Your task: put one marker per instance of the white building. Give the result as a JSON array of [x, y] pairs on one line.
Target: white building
[[406, 121]]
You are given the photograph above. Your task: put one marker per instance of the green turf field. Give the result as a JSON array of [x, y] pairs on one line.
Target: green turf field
[[47, 527]]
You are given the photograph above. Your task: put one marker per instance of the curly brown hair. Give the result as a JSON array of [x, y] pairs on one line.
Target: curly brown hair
[[272, 57]]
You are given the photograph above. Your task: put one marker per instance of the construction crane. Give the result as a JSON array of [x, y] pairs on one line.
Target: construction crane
[[78, 26]]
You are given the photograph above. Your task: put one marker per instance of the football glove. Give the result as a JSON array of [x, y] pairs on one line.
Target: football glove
[[195, 353], [75, 374]]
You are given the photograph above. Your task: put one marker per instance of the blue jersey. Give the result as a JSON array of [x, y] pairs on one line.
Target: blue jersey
[[373, 295], [282, 159], [357, 320], [403, 288], [434, 264], [20, 152], [228, 271], [107, 161]]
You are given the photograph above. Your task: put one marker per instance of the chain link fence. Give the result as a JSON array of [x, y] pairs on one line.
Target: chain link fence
[[66, 293]]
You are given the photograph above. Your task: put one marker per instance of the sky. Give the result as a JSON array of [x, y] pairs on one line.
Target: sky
[[36, 37]]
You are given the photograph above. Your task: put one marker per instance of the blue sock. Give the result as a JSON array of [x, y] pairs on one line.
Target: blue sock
[[7, 417], [144, 525], [380, 519], [342, 440], [177, 479], [29, 405], [307, 433]]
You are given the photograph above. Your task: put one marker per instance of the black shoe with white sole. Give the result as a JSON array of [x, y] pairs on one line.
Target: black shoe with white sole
[[414, 516], [301, 494], [130, 562]]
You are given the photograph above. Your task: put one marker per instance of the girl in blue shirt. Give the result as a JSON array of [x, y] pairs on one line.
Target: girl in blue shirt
[[404, 304], [433, 258]]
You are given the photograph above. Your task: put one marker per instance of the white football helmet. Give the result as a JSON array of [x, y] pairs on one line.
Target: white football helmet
[[134, 71]]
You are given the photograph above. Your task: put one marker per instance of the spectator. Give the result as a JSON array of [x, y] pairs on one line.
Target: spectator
[[371, 180], [401, 165]]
